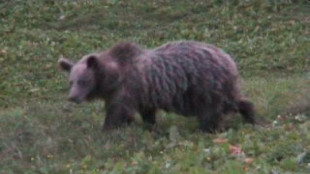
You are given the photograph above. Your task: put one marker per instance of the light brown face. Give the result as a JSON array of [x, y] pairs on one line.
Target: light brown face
[[81, 79]]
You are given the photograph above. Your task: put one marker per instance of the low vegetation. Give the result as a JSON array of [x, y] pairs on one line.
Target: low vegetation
[[40, 132]]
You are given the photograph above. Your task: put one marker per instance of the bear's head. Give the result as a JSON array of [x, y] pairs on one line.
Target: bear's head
[[89, 78], [98, 75], [82, 77]]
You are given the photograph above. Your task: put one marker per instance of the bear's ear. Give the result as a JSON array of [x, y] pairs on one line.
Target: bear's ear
[[65, 64], [92, 62], [125, 52]]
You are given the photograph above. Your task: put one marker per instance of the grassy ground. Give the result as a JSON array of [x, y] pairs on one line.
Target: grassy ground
[[42, 133]]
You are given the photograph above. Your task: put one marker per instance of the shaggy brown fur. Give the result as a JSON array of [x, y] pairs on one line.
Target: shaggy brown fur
[[187, 78]]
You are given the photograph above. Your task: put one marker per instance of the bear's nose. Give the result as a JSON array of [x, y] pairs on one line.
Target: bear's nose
[[74, 99]]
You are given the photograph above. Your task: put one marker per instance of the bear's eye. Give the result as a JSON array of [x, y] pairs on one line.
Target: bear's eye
[[82, 82]]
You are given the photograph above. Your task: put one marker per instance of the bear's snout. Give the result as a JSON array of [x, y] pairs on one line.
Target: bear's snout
[[74, 99]]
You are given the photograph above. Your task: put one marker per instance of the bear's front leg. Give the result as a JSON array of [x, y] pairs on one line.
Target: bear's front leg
[[118, 114], [149, 116]]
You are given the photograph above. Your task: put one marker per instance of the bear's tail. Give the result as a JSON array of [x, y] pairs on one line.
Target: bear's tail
[[246, 109]]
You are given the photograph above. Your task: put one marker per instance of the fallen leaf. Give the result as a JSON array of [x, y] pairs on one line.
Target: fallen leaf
[[248, 160], [220, 140], [34, 89], [134, 163], [246, 168], [235, 150], [282, 117], [207, 150], [3, 51]]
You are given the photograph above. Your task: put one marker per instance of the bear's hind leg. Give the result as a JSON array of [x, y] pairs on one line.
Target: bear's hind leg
[[209, 121]]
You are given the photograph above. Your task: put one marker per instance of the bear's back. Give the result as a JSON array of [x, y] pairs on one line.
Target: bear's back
[[177, 74]]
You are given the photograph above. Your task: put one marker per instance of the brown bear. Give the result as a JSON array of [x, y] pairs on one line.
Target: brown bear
[[185, 77]]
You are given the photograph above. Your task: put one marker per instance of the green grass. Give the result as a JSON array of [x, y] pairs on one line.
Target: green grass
[[42, 133]]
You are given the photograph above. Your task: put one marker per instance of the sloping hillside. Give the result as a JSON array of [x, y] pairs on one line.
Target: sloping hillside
[[40, 132]]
